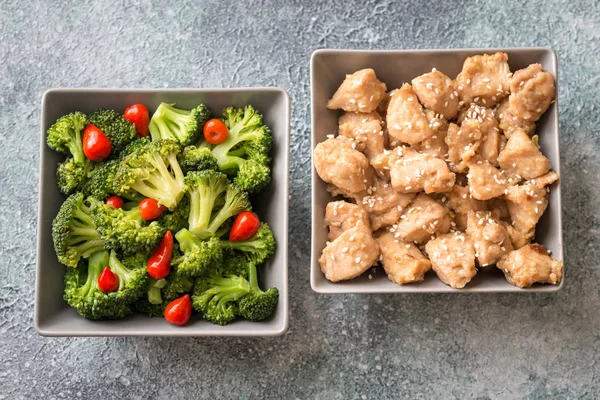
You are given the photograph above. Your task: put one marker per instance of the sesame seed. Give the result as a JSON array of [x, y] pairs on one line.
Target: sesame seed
[[357, 260]]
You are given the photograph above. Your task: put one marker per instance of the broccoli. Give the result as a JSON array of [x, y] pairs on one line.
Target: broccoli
[[177, 219], [216, 297], [153, 171], [74, 233], [257, 305], [245, 152], [71, 176], [258, 248], [126, 230], [83, 294], [117, 129], [207, 191], [101, 183], [65, 136], [233, 263], [182, 126], [198, 255], [161, 292], [197, 159]]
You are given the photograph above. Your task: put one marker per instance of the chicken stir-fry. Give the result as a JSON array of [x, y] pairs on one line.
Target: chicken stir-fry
[[439, 174]]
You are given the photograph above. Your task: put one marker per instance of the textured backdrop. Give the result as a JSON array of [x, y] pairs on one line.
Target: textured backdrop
[[376, 347]]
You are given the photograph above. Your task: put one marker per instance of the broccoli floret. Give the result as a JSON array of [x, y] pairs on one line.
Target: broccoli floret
[[182, 126], [233, 263], [153, 171], [216, 297], [177, 219], [204, 189], [258, 248], [198, 255], [207, 191], [74, 233], [65, 136], [117, 129], [126, 230], [197, 159], [83, 294], [71, 176], [101, 183], [161, 292], [245, 152], [257, 305]]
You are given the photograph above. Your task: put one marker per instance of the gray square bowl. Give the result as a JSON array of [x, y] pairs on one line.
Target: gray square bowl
[[327, 71], [53, 317]]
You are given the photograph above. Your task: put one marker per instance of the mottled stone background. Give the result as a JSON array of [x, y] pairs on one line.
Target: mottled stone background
[[376, 347]]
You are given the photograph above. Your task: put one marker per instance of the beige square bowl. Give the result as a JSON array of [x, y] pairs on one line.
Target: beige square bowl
[[327, 71], [52, 315]]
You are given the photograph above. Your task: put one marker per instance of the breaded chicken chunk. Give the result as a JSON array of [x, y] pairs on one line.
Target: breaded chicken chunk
[[338, 163], [365, 129], [509, 122], [435, 145], [351, 254], [437, 92], [531, 92], [484, 120], [490, 238], [526, 205], [403, 262], [360, 92], [341, 216], [486, 181], [406, 118], [452, 258], [484, 79], [521, 158], [421, 219], [463, 144], [460, 201], [531, 264]]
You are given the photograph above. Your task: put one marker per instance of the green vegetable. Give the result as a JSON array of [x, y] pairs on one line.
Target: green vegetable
[[177, 219], [536, 140], [197, 159], [117, 129], [258, 248], [161, 292], [182, 126], [245, 152], [74, 233], [152, 170], [216, 297], [198, 255], [257, 305], [83, 294], [71, 176], [65, 136], [126, 230]]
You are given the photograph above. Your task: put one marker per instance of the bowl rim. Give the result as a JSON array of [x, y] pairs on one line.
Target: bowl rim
[[226, 332], [413, 289]]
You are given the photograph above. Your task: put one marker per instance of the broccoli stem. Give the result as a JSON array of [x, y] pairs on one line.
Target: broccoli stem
[[160, 184], [187, 240], [154, 290], [96, 263], [76, 148], [201, 206], [119, 269]]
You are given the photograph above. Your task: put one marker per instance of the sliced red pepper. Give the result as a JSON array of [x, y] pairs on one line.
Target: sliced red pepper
[[159, 264]]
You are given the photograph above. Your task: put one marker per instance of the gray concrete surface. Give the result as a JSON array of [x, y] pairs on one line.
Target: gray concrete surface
[[375, 347]]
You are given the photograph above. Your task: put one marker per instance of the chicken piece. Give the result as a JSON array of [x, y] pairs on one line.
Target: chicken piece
[[463, 144], [484, 79], [413, 172], [403, 262], [490, 238], [338, 163], [498, 208], [366, 131], [341, 216], [435, 146], [360, 92], [460, 201], [517, 238], [452, 258], [531, 264], [406, 118], [544, 180], [423, 218], [532, 90], [351, 254], [437, 92], [490, 132], [526, 204], [383, 104], [521, 158], [509, 122], [486, 181]]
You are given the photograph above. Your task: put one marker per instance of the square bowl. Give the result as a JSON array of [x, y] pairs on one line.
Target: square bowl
[[53, 317], [327, 71]]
